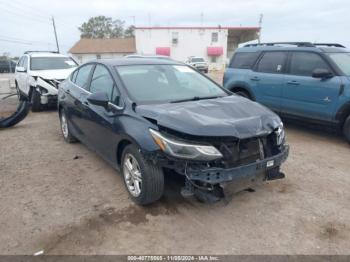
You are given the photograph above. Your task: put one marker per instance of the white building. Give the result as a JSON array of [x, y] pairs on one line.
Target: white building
[[88, 49], [215, 44]]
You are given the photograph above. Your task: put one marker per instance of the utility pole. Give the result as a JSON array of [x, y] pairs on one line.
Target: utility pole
[[54, 29], [260, 26], [202, 16]]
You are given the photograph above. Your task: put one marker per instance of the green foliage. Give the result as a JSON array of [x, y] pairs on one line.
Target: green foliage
[[129, 32], [105, 27]]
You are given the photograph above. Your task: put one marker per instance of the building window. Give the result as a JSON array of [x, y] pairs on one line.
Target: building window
[[214, 37], [98, 56], [175, 37], [213, 59]]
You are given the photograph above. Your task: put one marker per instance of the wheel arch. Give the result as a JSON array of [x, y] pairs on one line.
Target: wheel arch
[[242, 87], [342, 113], [120, 148]]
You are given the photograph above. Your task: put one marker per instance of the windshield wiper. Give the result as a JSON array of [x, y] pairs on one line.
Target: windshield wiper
[[195, 98]]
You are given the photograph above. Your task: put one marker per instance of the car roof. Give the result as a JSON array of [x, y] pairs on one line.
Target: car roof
[[45, 54], [147, 56], [136, 61], [293, 48]]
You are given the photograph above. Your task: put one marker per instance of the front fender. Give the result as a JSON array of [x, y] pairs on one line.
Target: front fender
[[136, 130]]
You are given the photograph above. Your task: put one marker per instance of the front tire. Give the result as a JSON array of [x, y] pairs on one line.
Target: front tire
[[346, 129], [36, 101], [143, 179], [67, 135]]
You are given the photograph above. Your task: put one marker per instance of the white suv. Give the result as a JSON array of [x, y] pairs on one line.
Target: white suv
[[198, 62], [38, 75]]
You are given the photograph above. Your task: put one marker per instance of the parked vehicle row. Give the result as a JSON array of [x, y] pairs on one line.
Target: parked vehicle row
[[7, 66], [147, 117], [300, 80]]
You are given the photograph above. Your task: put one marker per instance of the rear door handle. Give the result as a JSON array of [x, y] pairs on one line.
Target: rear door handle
[[293, 82], [255, 78]]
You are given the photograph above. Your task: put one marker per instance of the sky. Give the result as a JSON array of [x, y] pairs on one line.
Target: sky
[[26, 25]]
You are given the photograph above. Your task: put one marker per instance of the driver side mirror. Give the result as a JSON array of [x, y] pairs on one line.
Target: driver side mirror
[[322, 73], [21, 69], [102, 99], [99, 99]]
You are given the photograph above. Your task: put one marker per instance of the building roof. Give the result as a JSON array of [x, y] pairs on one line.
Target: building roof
[[201, 27], [104, 45]]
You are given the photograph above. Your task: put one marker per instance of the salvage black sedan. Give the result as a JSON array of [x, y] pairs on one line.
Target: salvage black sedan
[[148, 116]]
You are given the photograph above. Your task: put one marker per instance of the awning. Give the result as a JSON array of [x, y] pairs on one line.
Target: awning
[[215, 50], [163, 51]]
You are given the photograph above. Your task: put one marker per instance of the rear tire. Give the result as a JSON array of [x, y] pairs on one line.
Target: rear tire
[[65, 128], [346, 129], [143, 179], [36, 101]]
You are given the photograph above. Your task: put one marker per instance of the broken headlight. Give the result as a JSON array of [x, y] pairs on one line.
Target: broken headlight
[[280, 135], [183, 150]]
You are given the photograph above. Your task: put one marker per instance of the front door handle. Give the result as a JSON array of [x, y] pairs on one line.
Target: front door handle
[[255, 78], [293, 82]]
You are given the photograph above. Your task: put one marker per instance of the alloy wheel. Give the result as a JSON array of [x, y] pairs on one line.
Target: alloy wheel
[[64, 125], [132, 175]]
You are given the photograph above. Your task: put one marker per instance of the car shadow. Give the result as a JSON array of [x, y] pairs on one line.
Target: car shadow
[[317, 130]]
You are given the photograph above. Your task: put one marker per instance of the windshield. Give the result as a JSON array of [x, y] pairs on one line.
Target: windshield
[[342, 60], [197, 59], [51, 63], [166, 83]]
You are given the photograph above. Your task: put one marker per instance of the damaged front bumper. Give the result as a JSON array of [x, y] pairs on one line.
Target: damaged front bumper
[[220, 175]]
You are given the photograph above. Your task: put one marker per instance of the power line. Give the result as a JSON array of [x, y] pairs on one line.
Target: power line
[[19, 6], [23, 40], [35, 14], [17, 42], [22, 15]]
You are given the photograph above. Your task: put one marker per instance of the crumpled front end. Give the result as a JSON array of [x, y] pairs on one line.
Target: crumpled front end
[[47, 88], [244, 163]]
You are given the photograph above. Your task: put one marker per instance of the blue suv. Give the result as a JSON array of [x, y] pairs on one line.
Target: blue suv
[[297, 80]]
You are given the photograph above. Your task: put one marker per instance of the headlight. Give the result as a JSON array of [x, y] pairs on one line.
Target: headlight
[[184, 150], [280, 135]]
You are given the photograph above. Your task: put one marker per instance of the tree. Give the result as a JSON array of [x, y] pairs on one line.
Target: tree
[[102, 27], [129, 32]]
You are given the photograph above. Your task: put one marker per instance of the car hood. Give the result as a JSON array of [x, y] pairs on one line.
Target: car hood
[[232, 116], [53, 74]]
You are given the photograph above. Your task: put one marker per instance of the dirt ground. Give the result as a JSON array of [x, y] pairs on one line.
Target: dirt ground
[[63, 199]]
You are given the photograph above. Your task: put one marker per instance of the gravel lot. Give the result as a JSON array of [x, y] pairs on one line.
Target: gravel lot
[[64, 199]]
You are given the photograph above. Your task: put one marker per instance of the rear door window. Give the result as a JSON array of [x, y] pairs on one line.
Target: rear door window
[[272, 62], [82, 78], [244, 60], [304, 63], [73, 76]]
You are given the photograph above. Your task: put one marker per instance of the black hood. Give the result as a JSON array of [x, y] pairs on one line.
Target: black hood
[[232, 116]]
